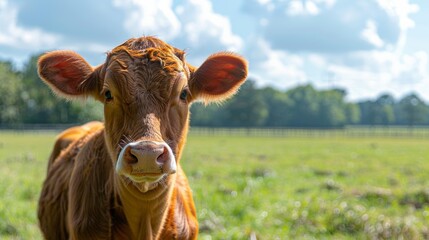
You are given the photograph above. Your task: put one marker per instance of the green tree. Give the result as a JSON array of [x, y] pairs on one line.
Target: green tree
[[332, 108], [385, 110], [325, 109], [352, 113], [412, 110], [211, 115], [304, 106], [278, 106], [10, 94], [378, 112], [247, 108]]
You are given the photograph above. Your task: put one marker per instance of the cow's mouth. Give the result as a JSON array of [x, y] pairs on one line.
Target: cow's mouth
[[145, 183], [146, 177]]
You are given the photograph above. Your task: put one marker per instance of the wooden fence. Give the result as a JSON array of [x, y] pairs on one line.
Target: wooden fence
[[352, 131], [355, 131]]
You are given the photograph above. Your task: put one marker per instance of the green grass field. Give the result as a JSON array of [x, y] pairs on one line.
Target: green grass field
[[264, 187]]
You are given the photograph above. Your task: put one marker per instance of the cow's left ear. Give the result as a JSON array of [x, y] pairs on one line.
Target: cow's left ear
[[67, 73], [218, 78]]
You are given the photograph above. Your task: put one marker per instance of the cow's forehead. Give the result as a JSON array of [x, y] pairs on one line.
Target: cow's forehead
[[140, 52], [149, 69], [149, 60]]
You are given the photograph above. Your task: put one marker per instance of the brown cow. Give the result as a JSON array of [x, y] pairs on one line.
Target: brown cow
[[123, 180]]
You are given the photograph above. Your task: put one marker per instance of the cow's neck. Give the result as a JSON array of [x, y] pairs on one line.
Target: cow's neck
[[145, 212]]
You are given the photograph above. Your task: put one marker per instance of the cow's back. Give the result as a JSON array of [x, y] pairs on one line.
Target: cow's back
[[53, 202], [65, 138]]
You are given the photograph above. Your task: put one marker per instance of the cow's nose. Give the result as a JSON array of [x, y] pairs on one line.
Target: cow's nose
[[146, 154], [147, 157]]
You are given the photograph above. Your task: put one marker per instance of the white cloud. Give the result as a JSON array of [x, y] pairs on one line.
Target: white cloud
[[311, 8], [364, 74], [317, 60], [326, 3], [328, 26], [307, 7], [264, 2], [274, 67], [192, 25], [13, 35], [370, 34], [298, 7], [150, 17], [203, 28], [400, 9], [375, 72]]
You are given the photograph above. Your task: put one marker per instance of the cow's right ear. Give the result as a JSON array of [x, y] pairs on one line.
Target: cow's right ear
[[218, 78], [68, 74]]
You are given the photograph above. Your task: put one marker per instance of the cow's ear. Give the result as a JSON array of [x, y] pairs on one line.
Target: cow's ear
[[67, 73], [218, 78]]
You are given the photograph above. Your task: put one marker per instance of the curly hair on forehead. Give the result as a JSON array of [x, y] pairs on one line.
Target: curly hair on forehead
[[153, 50]]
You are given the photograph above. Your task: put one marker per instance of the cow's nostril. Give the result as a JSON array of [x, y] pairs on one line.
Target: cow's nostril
[[161, 159], [131, 158]]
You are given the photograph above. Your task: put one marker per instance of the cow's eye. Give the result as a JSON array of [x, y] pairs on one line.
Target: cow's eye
[[108, 96], [184, 95]]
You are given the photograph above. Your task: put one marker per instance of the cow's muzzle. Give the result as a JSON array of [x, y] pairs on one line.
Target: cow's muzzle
[[146, 161]]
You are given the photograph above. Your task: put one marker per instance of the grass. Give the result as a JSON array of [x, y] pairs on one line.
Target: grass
[[23, 160], [264, 187]]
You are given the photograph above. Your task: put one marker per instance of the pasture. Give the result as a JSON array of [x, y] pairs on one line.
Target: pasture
[[268, 187]]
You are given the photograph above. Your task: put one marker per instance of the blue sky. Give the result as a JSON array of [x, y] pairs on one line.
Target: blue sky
[[367, 47]]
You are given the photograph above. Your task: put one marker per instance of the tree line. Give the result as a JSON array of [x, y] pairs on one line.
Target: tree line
[[306, 107], [24, 98]]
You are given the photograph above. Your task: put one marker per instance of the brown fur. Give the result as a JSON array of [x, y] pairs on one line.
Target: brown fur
[[83, 197], [68, 136]]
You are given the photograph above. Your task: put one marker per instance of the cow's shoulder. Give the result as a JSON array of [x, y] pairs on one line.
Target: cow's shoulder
[[55, 189], [92, 178], [69, 141]]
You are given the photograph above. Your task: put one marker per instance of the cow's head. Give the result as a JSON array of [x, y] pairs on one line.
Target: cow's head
[[146, 87]]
